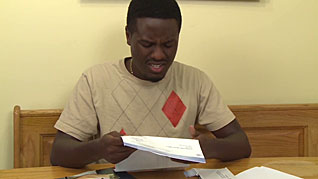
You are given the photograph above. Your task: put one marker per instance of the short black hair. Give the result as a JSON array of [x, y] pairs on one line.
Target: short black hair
[[163, 9]]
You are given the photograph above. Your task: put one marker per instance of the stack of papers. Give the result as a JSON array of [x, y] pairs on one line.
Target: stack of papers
[[264, 173], [183, 149], [222, 173], [155, 153], [252, 173]]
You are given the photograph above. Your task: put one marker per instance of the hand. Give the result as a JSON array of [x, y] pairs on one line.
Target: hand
[[113, 149], [194, 133], [205, 140]]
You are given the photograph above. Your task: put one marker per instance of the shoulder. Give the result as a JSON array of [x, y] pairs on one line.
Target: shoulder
[[187, 71], [191, 77], [103, 75], [101, 69]]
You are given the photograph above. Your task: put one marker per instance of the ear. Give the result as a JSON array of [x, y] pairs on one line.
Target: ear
[[128, 36]]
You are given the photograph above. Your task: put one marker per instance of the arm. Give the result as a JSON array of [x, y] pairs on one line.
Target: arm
[[67, 151], [231, 142]]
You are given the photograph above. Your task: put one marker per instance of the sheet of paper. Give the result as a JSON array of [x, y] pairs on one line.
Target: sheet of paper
[[183, 149], [222, 173], [142, 160], [264, 173]]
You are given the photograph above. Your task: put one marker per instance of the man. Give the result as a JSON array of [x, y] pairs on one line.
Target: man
[[146, 94]]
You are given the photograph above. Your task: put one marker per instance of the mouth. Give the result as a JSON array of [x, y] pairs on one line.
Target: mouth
[[156, 67]]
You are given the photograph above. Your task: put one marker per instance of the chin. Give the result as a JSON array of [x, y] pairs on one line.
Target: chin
[[156, 78]]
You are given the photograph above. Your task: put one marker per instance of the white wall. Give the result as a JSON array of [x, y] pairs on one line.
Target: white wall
[[255, 52]]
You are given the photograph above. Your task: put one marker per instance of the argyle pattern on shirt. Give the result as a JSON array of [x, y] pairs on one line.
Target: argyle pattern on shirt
[[108, 98], [142, 109]]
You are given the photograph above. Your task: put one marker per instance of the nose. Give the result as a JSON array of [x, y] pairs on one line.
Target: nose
[[158, 53]]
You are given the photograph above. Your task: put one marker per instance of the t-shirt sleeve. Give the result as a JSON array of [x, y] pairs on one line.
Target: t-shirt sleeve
[[213, 112], [79, 118]]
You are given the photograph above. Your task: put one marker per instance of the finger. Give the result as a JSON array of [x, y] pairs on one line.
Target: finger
[[124, 150], [115, 141], [181, 161], [130, 150], [118, 157], [110, 140], [115, 134], [194, 133]]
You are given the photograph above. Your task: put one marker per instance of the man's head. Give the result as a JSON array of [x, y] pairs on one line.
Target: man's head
[[152, 32], [161, 9]]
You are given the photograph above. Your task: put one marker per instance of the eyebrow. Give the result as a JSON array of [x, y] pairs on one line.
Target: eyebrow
[[149, 41], [169, 41]]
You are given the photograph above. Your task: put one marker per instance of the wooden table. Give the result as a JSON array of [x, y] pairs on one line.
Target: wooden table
[[305, 167]]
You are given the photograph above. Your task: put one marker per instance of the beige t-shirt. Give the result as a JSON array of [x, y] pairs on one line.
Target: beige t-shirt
[[108, 98]]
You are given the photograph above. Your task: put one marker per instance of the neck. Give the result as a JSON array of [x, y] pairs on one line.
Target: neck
[[131, 66], [128, 65]]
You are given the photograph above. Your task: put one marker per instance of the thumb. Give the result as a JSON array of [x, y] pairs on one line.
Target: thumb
[[194, 133]]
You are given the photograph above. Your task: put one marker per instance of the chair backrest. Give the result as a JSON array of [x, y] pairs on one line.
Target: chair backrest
[[33, 136], [273, 130], [280, 130]]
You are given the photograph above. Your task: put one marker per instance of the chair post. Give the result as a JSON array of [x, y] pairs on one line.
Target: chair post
[[16, 118]]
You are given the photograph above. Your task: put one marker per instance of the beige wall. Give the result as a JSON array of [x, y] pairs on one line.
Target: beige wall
[[255, 52]]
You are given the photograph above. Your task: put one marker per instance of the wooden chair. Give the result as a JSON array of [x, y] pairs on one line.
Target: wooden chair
[[273, 130], [280, 130], [33, 136]]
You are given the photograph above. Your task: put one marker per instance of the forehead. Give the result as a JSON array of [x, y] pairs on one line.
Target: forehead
[[157, 27]]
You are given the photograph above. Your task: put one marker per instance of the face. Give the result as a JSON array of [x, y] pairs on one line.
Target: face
[[153, 47]]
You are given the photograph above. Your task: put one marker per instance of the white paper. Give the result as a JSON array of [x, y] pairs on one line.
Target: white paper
[[264, 173], [142, 160], [222, 173], [183, 149]]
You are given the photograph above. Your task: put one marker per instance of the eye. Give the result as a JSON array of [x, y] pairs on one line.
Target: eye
[[168, 44], [145, 44]]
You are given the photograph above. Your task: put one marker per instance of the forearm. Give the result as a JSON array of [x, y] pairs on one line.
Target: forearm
[[232, 147], [75, 154]]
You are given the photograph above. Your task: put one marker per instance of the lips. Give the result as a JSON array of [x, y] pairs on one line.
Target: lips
[[156, 67]]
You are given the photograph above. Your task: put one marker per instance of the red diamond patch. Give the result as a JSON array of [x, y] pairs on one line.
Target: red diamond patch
[[122, 132], [174, 108]]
